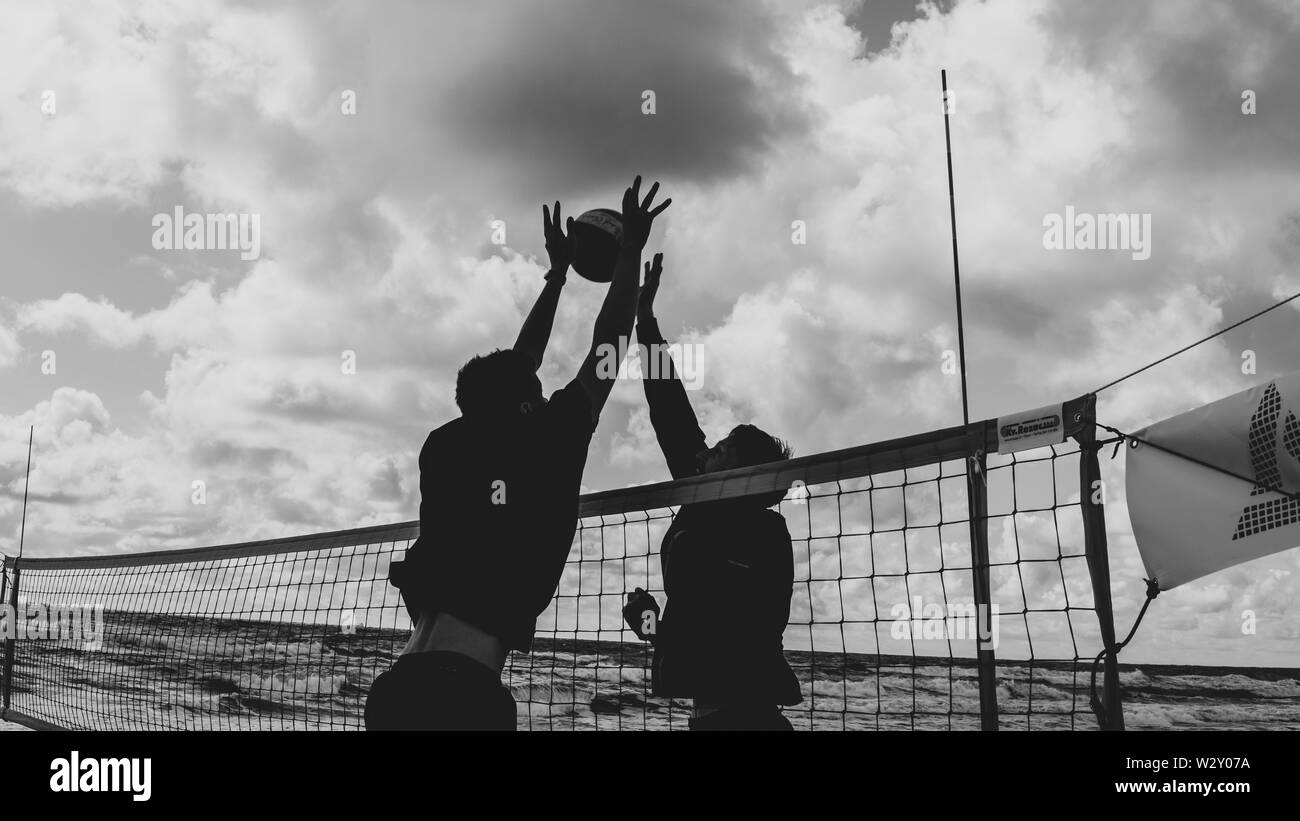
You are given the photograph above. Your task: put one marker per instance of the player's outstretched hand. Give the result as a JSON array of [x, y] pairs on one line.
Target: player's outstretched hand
[[558, 246], [645, 301], [642, 614], [638, 216]]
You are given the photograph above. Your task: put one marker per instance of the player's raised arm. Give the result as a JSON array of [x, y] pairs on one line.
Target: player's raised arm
[[617, 313], [676, 428], [536, 331]]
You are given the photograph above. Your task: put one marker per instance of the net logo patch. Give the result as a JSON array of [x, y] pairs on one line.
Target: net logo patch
[[1031, 429], [1262, 517]]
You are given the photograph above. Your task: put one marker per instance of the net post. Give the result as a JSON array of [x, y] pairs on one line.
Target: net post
[[10, 636], [4, 671], [1082, 417], [978, 506]]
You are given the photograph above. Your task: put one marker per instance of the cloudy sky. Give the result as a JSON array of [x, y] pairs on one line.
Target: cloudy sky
[[176, 366]]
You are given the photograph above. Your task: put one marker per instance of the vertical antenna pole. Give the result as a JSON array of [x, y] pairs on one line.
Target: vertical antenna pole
[[976, 484], [956, 266], [22, 533]]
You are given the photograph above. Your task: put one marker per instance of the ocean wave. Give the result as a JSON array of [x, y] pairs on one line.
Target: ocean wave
[[1134, 678], [276, 684], [551, 696], [1213, 716], [1283, 688], [202, 646], [291, 649]]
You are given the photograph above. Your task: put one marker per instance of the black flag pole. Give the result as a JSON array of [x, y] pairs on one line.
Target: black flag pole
[[956, 266], [22, 533], [976, 486]]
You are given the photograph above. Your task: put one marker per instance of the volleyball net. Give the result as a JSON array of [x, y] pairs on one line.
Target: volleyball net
[[939, 584]]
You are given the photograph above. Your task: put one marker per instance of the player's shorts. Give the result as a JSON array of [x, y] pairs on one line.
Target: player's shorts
[[439, 690]]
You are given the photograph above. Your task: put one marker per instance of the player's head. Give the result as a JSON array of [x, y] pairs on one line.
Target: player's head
[[501, 385], [746, 445]]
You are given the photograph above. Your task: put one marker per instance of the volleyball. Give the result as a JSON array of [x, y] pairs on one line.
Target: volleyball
[[597, 236]]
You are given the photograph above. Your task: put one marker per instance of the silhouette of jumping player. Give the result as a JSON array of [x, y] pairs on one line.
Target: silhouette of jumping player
[[499, 504], [728, 566]]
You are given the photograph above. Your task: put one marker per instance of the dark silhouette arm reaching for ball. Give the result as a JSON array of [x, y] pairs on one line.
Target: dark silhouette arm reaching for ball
[[671, 414], [618, 312], [536, 331]]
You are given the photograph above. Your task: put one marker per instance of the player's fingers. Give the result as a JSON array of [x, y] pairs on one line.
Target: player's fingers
[[661, 207], [546, 217], [650, 197], [569, 226], [557, 213]]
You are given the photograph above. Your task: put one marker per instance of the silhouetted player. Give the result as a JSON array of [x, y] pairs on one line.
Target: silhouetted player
[[728, 566], [499, 505]]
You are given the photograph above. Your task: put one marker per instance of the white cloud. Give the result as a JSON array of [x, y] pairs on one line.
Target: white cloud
[[9, 347], [99, 319]]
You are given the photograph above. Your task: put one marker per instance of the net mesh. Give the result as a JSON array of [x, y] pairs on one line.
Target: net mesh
[[882, 633]]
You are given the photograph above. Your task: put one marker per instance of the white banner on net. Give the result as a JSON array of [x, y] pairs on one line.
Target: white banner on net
[[1031, 429], [1190, 520]]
